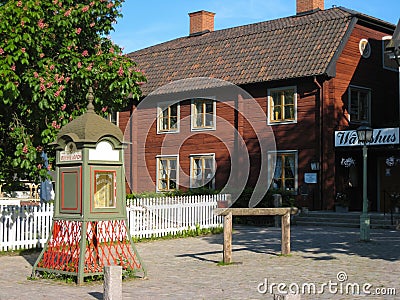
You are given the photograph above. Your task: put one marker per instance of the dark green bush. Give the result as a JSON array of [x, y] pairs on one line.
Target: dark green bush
[[197, 191], [288, 198]]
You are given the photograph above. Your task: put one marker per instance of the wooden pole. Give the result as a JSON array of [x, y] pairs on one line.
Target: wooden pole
[[286, 234], [284, 212], [228, 238]]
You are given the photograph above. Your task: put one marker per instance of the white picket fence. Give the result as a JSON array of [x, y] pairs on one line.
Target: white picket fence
[[28, 226]]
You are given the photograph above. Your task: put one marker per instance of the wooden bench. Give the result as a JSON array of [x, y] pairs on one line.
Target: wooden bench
[[284, 212]]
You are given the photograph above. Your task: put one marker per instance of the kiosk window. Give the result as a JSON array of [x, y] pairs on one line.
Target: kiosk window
[[105, 189]]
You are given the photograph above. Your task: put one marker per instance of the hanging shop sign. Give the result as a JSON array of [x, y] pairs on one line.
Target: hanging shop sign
[[382, 136], [348, 162], [392, 161]]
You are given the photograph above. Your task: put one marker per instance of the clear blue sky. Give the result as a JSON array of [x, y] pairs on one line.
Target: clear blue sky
[[147, 23]]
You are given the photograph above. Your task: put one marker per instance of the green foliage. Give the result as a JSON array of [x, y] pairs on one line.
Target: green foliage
[[51, 52], [68, 278], [197, 191], [288, 198], [128, 273], [222, 263], [197, 231], [145, 195]]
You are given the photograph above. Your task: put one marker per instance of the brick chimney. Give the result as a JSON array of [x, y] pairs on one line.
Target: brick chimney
[[201, 21], [308, 5]]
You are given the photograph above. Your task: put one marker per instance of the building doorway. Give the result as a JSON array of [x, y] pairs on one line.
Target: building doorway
[[389, 183]]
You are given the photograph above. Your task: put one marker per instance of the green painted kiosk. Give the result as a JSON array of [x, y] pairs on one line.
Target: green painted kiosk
[[90, 228]]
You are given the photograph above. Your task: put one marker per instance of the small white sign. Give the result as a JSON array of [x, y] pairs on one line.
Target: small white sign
[[310, 178], [71, 156]]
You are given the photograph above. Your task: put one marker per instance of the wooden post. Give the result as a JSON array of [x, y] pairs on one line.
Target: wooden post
[[284, 212], [286, 234], [228, 238]]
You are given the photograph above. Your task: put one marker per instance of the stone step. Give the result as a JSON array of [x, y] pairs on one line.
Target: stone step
[[343, 220], [343, 224], [331, 219], [347, 219], [318, 224]]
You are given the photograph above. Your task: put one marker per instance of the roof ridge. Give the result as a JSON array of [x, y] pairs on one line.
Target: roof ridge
[[241, 34], [289, 47]]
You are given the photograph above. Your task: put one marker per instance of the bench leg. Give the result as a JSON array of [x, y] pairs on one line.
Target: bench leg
[[286, 234], [227, 256]]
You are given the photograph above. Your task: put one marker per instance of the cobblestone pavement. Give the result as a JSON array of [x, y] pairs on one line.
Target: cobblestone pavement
[[188, 268]]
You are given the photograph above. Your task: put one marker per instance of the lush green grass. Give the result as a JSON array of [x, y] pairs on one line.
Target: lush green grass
[[20, 252], [183, 234]]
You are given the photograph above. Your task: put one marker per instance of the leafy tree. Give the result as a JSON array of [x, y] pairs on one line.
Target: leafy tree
[[51, 52]]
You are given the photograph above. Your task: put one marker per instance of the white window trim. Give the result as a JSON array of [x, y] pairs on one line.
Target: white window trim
[[355, 87], [271, 172], [269, 99], [157, 170], [384, 53], [160, 108], [192, 156], [192, 115], [109, 118]]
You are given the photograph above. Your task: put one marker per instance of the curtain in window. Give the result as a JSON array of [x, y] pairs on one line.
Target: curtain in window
[[209, 113], [290, 171], [290, 162], [278, 173], [203, 172], [199, 114], [167, 174], [172, 174], [163, 170]]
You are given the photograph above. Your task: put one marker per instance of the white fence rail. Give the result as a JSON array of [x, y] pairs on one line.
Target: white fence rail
[[28, 226]]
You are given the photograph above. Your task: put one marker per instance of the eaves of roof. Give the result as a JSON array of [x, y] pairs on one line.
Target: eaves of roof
[[291, 47]]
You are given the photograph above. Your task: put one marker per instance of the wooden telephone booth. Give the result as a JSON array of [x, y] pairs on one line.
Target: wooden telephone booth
[[90, 228]]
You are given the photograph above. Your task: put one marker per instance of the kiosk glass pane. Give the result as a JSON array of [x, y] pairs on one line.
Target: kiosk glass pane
[[105, 189]]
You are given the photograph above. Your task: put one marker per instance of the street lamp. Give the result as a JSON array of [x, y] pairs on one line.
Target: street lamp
[[364, 134]]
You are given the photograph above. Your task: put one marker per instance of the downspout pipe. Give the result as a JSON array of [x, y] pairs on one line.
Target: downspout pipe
[[320, 140]]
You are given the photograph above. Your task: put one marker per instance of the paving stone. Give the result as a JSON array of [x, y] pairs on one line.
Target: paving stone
[[188, 268]]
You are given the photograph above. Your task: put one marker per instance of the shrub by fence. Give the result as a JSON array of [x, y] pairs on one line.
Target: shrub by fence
[[28, 226]]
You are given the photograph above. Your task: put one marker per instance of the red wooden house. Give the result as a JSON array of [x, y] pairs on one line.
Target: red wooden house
[[317, 75]]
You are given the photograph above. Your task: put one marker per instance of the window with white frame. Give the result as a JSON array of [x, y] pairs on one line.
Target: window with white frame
[[285, 174], [167, 173], [359, 104], [203, 114], [282, 105], [168, 118], [202, 171], [113, 117]]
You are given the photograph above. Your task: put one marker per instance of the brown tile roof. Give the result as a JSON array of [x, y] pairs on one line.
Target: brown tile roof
[[290, 47]]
